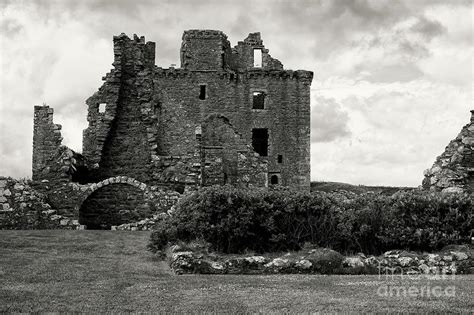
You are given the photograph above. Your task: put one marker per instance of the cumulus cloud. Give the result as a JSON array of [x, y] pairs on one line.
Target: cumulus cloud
[[397, 129], [393, 79], [328, 120]]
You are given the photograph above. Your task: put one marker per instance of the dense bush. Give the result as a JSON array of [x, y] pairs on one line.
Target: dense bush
[[233, 220]]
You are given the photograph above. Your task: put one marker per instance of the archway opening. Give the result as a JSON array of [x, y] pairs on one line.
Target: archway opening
[[113, 204]]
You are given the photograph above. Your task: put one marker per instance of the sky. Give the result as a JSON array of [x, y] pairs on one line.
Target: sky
[[393, 80]]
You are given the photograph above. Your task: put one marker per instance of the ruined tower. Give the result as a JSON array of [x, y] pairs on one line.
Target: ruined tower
[[228, 115]]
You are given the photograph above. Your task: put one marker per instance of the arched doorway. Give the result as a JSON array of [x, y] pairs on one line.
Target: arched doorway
[[113, 204]]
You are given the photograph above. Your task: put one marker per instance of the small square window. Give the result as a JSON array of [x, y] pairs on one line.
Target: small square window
[[280, 158], [258, 100], [102, 107]]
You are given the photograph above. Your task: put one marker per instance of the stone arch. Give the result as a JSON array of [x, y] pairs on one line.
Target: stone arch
[[116, 180], [115, 201]]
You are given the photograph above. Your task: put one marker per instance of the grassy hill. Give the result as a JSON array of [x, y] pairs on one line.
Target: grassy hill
[[358, 189]]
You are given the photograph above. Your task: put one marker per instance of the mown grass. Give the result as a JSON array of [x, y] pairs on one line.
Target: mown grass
[[112, 271]]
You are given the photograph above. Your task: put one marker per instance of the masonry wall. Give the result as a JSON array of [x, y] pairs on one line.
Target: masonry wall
[[453, 170], [46, 142], [286, 114]]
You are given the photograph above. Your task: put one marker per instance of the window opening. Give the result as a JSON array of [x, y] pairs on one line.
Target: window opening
[[260, 141]]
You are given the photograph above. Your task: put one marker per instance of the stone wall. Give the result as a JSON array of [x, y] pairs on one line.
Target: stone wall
[[453, 170], [226, 157], [243, 54], [286, 114], [116, 200], [22, 207], [46, 143], [162, 108], [193, 258]]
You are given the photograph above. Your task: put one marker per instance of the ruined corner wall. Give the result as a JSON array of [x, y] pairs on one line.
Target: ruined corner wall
[[243, 55], [121, 140], [46, 143], [55, 166], [453, 170]]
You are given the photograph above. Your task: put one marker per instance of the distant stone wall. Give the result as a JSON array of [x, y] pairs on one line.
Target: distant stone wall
[[453, 170]]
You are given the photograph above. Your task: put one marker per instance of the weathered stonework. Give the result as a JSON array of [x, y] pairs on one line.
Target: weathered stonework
[[453, 171], [155, 133], [459, 260]]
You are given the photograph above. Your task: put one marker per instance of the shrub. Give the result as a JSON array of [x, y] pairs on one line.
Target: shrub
[[427, 221], [234, 220]]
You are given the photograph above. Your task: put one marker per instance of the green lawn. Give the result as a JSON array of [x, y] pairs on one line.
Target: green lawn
[[112, 271]]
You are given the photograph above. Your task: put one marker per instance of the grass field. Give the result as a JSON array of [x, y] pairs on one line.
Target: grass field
[[112, 271]]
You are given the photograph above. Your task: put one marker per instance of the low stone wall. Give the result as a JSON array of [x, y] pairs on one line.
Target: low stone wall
[[457, 260], [452, 260], [22, 207]]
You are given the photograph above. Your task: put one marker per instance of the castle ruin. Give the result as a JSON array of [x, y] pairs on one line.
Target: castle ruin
[[453, 170], [226, 116]]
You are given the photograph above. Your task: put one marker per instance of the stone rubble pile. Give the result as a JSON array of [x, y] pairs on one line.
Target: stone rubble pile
[[146, 224], [185, 260], [458, 260]]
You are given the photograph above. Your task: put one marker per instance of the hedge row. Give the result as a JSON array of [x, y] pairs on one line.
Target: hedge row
[[235, 220]]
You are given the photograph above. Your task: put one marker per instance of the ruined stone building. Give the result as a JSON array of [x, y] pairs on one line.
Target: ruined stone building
[[228, 115], [453, 170]]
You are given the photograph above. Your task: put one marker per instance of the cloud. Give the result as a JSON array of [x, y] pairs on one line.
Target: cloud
[[397, 130], [428, 28], [393, 78], [328, 120]]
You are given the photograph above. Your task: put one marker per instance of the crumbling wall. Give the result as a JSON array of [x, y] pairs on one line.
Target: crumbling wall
[[122, 139], [46, 143], [243, 55], [205, 50], [55, 165], [23, 207], [453, 170]]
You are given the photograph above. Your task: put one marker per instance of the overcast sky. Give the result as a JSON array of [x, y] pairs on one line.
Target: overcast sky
[[392, 86]]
